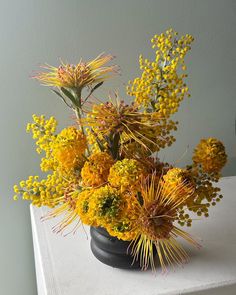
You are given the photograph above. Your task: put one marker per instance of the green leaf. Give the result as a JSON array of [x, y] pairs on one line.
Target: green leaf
[[100, 145], [115, 145], [96, 86], [68, 94], [58, 93], [92, 90], [61, 96]]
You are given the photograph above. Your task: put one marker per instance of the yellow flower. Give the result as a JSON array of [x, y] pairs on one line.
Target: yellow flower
[[83, 207], [160, 86], [74, 207], [111, 209], [178, 182], [208, 159], [125, 174], [68, 149], [156, 215], [43, 131], [112, 117], [210, 154], [77, 76], [66, 207], [116, 118], [106, 205], [176, 177], [63, 152], [205, 195], [95, 171], [153, 165], [122, 229], [125, 125], [63, 155], [156, 136], [46, 192]]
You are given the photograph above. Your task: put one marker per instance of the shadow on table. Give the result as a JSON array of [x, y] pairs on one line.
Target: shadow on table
[[226, 290]]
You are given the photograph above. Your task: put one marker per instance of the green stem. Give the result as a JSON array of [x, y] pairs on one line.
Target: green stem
[[115, 145], [79, 113]]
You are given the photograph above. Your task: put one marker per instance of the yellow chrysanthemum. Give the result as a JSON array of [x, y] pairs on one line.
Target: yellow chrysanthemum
[[125, 174], [68, 148], [77, 76], [83, 207], [96, 170], [210, 154], [112, 210], [107, 205], [123, 229]]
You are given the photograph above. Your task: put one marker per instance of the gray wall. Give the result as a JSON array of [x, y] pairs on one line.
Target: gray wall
[[34, 32]]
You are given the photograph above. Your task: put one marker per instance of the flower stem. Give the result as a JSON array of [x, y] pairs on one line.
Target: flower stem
[[79, 113]]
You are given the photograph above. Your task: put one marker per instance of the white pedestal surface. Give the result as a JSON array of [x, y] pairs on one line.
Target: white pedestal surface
[[66, 266]]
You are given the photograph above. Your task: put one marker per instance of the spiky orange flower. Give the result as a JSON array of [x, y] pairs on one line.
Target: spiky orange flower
[[77, 76], [66, 207], [156, 215], [124, 124]]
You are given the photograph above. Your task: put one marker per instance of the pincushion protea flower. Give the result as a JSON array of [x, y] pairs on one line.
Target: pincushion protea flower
[[121, 124], [77, 76], [156, 215]]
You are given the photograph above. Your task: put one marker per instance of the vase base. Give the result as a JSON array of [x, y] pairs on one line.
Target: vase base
[[124, 261], [110, 250]]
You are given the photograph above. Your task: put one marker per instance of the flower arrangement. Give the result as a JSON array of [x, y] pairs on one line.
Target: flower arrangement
[[104, 171]]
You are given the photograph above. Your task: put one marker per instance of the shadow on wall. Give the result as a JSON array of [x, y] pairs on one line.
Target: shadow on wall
[[230, 168]]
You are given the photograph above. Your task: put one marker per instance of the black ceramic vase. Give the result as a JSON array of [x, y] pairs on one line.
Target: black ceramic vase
[[110, 250]]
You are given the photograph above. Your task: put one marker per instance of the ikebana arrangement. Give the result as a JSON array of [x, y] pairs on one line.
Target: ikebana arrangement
[[104, 170]]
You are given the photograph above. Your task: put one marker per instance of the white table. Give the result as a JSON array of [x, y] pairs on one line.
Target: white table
[[66, 266]]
